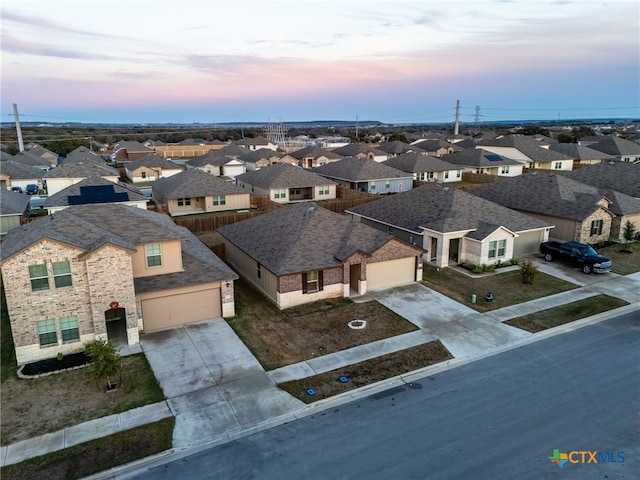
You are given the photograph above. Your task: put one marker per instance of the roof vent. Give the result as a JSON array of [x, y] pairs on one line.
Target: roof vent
[[445, 189], [311, 209]]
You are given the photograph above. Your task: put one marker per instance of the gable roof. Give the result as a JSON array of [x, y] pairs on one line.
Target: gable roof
[[621, 176], [419, 162], [219, 157], [33, 160], [20, 171], [315, 151], [252, 141], [153, 161], [82, 170], [444, 209], [283, 175], [131, 147], [578, 152], [194, 183], [398, 147], [61, 198], [89, 227], [614, 145], [13, 203], [526, 145], [254, 156], [302, 237], [353, 149], [433, 144], [82, 154], [358, 169], [478, 158], [547, 194]]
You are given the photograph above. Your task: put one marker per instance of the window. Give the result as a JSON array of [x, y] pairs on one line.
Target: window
[[47, 332], [69, 328], [143, 174], [312, 282], [557, 165], [280, 193], [502, 246], [39, 277], [458, 173], [323, 190], [596, 227], [497, 248], [373, 185], [184, 201], [259, 271], [154, 254], [446, 175], [219, 200], [505, 169], [387, 184], [62, 274]]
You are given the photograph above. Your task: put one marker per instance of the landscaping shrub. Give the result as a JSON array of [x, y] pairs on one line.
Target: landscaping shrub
[[529, 272]]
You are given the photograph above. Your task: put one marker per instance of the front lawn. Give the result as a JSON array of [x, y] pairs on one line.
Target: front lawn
[[282, 337], [552, 317], [507, 287], [624, 262]]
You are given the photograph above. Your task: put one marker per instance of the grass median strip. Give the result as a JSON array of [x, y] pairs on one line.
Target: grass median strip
[[370, 371], [97, 455], [553, 317]]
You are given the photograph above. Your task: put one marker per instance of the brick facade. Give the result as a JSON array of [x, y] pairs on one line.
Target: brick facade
[[583, 229]]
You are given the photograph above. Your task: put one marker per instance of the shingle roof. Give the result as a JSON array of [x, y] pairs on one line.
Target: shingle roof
[[82, 154], [621, 176], [219, 157], [131, 146], [478, 158], [433, 145], [194, 183], [419, 162], [315, 151], [89, 227], [579, 152], [82, 170], [33, 160], [527, 145], [445, 210], [614, 145], [252, 141], [61, 198], [302, 237], [152, 161], [553, 195], [353, 149], [20, 171], [254, 156], [283, 175], [397, 147], [357, 169], [13, 203]]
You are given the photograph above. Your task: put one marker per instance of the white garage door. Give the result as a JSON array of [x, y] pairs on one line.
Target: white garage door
[[173, 310], [391, 273], [526, 243]]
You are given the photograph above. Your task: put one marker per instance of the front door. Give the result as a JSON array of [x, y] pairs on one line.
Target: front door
[[354, 277]]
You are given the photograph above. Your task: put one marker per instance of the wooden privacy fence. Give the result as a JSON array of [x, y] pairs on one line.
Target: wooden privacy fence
[[479, 177]]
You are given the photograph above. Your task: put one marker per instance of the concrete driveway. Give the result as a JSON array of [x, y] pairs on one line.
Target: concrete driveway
[[213, 384], [465, 332]]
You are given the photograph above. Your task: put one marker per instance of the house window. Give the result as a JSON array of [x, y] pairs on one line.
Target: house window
[[505, 169], [387, 184], [373, 185], [312, 281], [47, 333], [557, 165], [184, 201], [39, 277], [280, 193], [69, 328], [458, 173], [143, 174], [62, 274], [259, 270], [411, 240], [219, 200], [596, 227], [479, 170], [323, 190], [502, 247], [446, 175], [154, 254], [497, 248]]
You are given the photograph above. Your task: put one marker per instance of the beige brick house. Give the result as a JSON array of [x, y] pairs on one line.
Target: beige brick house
[[100, 271]]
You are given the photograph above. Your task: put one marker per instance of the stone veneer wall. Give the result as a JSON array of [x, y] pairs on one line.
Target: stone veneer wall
[[583, 229]]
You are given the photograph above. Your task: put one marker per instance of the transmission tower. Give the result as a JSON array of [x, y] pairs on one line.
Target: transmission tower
[[275, 133], [477, 117]]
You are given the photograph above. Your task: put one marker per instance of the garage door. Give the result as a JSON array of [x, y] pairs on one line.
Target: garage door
[[173, 310], [526, 243], [391, 273]]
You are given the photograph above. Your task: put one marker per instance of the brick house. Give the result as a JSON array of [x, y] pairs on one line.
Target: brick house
[[303, 253], [106, 271]]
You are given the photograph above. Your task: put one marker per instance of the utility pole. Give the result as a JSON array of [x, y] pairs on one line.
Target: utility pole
[[357, 139], [456, 129], [477, 117], [18, 130]]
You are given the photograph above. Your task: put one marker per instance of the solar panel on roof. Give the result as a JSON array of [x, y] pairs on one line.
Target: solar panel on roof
[[492, 157], [97, 194]]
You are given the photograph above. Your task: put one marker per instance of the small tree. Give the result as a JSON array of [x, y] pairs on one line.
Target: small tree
[[105, 364], [529, 272], [629, 231]]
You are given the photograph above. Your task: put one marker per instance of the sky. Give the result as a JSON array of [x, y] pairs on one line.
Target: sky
[[264, 61]]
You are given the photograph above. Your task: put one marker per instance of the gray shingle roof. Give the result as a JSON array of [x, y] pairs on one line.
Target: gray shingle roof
[[194, 183], [614, 145], [61, 198], [302, 237], [357, 169], [353, 149], [621, 176], [478, 158], [283, 175], [444, 210], [579, 152], [32, 160], [527, 145], [82, 170], [554, 195], [418, 163], [131, 147], [397, 147], [13, 203], [314, 151], [90, 226], [82, 154], [254, 156], [219, 157], [20, 171], [152, 161]]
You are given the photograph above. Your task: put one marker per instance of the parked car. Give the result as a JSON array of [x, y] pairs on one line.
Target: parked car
[[32, 189], [16, 189], [578, 253]]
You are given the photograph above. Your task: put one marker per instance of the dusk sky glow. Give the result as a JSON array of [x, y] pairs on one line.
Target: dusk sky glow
[[397, 62]]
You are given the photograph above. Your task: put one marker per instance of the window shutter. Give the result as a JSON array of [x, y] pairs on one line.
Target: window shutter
[[304, 283], [320, 280]]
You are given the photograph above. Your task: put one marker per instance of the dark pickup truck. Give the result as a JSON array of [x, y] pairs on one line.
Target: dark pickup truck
[[583, 255]]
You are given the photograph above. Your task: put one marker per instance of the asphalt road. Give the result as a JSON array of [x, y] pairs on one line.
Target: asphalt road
[[497, 418]]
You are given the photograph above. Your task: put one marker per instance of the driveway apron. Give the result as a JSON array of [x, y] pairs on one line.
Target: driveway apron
[[213, 384]]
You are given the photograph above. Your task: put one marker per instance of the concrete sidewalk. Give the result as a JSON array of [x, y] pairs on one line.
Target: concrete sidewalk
[[220, 394]]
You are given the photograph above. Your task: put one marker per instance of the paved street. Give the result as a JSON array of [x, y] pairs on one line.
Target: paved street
[[497, 418]]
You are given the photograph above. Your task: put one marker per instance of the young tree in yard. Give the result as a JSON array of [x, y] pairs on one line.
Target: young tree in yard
[[105, 364], [529, 271], [629, 231]]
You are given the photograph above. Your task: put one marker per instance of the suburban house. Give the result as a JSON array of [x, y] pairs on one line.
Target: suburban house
[[13, 205], [39, 150], [257, 159], [83, 154], [94, 190], [621, 176], [256, 143], [361, 150], [284, 183], [528, 151], [314, 156], [426, 168], [485, 162], [128, 151], [619, 148], [435, 147], [105, 271], [367, 175], [581, 155], [580, 212], [71, 173], [303, 253], [190, 147], [217, 163], [32, 160], [396, 147], [194, 191], [150, 168], [15, 174], [454, 226]]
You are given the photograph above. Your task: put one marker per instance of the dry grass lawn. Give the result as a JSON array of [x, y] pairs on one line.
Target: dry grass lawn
[[624, 262]]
